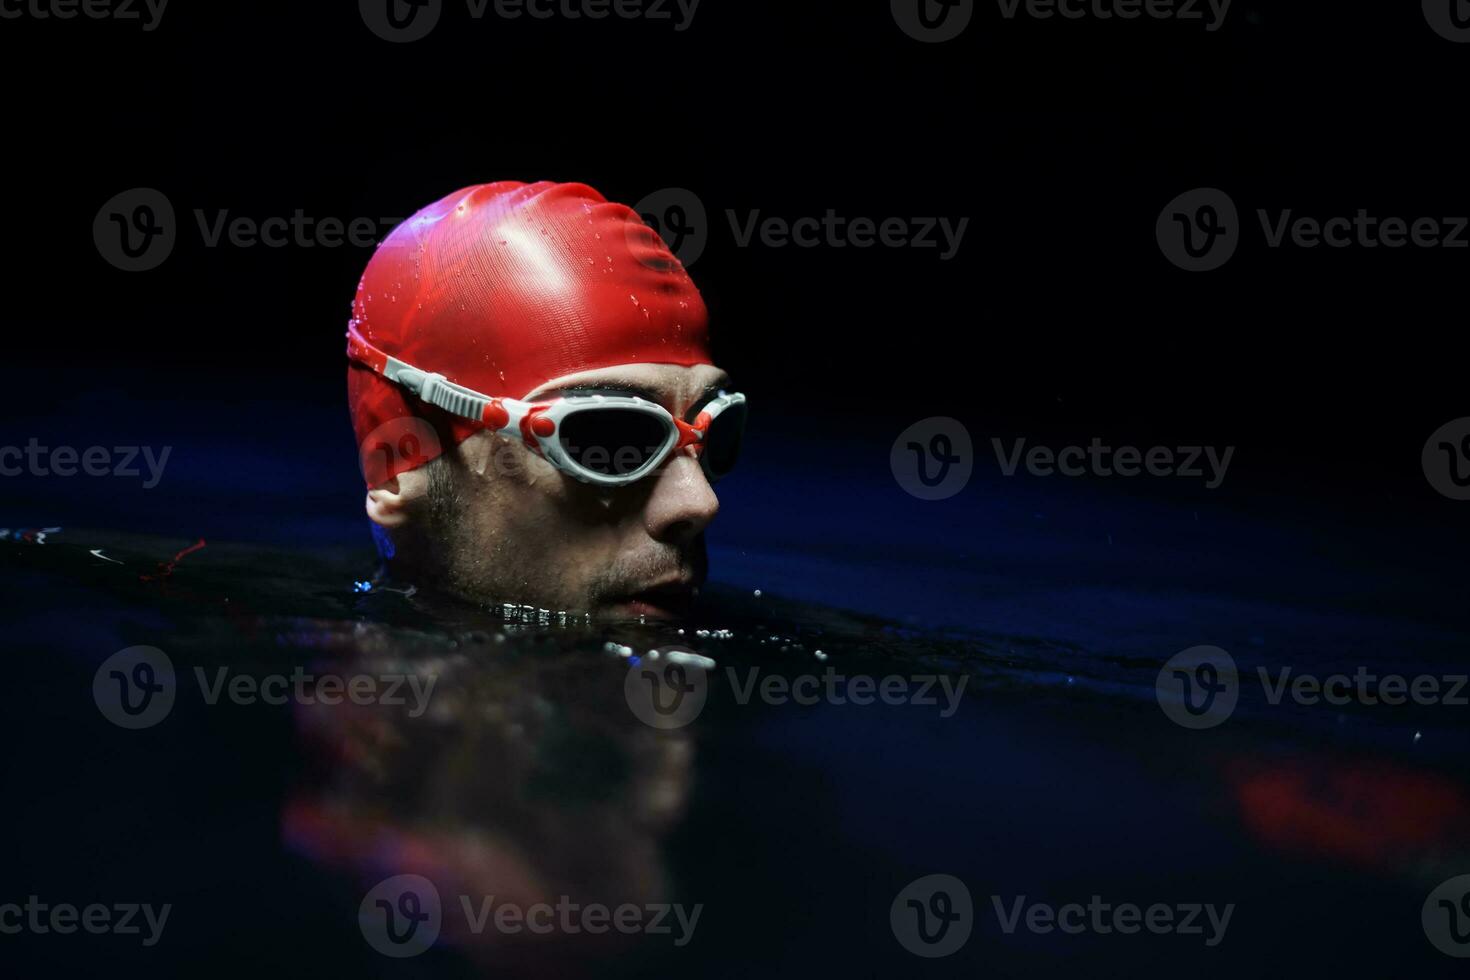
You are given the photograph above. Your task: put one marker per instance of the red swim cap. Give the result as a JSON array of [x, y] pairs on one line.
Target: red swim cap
[[500, 288]]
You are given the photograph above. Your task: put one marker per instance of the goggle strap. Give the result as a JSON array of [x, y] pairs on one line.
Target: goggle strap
[[432, 388], [502, 415]]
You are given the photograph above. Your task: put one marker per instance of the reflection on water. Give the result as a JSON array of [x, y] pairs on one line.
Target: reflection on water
[[793, 770], [522, 780]]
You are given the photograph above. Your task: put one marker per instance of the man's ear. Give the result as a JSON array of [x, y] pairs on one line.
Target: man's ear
[[393, 504]]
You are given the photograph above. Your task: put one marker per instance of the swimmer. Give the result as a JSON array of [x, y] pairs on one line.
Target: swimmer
[[538, 416]]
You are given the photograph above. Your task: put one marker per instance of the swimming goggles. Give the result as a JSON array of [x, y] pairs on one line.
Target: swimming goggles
[[608, 440]]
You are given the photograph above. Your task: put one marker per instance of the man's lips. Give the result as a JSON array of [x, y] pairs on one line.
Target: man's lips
[[671, 597]]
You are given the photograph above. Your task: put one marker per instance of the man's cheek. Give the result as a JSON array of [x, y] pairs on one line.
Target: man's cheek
[[505, 460]]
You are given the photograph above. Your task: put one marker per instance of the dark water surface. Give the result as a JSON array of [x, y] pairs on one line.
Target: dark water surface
[[1043, 769]]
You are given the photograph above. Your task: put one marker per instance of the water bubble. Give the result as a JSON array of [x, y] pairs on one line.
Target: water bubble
[[688, 659]]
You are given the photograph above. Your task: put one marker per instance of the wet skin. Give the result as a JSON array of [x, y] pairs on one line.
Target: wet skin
[[516, 529]]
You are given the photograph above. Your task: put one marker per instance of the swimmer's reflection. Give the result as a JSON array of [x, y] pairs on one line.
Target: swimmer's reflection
[[524, 782]]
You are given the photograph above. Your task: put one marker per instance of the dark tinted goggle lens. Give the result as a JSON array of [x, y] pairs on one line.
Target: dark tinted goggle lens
[[722, 442], [612, 441]]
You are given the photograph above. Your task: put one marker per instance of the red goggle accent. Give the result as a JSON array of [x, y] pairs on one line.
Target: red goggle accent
[[692, 435], [495, 415], [533, 425]]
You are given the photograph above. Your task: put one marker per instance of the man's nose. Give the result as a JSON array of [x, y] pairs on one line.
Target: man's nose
[[682, 502]]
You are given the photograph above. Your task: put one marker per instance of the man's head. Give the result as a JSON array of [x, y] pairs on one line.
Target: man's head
[[498, 340]]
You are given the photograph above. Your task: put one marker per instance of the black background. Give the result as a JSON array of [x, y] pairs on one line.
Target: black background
[[1061, 140]]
